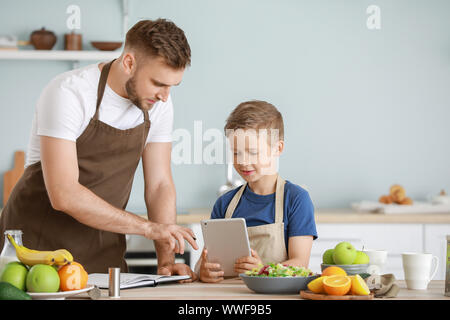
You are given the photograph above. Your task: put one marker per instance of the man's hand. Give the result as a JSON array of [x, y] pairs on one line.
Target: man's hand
[[177, 269], [173, 234], [210, 272], [247, 263]]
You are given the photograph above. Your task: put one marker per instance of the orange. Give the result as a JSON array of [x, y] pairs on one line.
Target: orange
[[72, 277], [337, 285], [359, 286], [316, 285], [334, 271]]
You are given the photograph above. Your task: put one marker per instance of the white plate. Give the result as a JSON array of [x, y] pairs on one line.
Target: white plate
[[58, 295]]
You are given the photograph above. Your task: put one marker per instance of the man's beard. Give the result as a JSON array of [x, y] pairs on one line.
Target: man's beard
[[130, 87]]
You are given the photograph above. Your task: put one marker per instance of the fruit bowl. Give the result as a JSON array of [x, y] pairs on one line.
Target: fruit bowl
[[277, 285], [351, 269]]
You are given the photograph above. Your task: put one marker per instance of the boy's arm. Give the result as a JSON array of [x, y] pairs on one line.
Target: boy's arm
[[299, 251]]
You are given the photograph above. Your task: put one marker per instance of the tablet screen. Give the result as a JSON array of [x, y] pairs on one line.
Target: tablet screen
[[226, 240]]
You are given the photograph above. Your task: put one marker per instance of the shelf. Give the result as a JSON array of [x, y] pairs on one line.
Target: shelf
[[58, 55]]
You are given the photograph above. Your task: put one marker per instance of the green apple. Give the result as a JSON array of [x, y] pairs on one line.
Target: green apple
[[361, 258], [344, 253], [16, 274], [42, 278], [327, 257]]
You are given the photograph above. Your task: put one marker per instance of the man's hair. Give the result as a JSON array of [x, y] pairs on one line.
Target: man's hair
[[256, 115], [160, 38]]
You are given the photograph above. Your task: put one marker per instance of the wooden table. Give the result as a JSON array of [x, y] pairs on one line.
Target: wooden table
[[235, 289]]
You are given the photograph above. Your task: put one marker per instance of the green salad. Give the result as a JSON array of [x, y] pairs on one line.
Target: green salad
[[279, 270]]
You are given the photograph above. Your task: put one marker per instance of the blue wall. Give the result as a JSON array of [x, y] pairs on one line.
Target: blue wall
[[363, 108]]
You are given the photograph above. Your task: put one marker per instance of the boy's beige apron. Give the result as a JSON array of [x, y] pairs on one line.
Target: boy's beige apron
[[267, 240], [107, 160]]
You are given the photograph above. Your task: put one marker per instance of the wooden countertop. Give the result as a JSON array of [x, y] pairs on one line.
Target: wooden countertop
[[339, 216], [195, 215], [235, 289]]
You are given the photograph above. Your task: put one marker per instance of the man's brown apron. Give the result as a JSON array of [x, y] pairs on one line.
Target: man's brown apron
[[107, 160], [267, 239]]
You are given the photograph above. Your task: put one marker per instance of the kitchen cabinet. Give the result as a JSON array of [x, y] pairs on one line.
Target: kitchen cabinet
[[436, 243], [394, 238]]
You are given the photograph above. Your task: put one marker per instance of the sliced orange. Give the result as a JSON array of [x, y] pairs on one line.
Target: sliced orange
[[316, 285], [359, 286], [337, 285], [334, 271]]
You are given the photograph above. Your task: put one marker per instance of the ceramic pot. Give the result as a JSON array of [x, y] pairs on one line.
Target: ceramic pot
[[43, 39], [73, 41]]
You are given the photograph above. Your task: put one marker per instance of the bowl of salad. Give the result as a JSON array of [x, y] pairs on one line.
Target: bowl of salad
[[278, 278]]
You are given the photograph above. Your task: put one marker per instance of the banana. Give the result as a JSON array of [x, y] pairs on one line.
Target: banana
[[31, 257]]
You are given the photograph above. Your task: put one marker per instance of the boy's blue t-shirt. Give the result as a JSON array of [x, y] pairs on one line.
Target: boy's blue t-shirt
[[298, 216]]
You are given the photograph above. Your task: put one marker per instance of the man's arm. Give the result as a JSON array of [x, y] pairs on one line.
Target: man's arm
[[61, 173], [160, 195]]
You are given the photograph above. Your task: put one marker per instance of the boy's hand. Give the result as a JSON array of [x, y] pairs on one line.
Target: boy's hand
[[210, 272], [247, 263]]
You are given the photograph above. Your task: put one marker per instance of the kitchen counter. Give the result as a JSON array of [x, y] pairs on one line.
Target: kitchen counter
[[195, 215], [235, 289], [338, 216]]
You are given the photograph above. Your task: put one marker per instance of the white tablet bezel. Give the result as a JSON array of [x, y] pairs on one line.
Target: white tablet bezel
[[226, 240]]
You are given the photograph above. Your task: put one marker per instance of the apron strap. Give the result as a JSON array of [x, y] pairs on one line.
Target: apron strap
[[279, 201], [102, 86], [234, 202]]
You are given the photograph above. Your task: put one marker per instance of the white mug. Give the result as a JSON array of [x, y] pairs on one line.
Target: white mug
[[377, 260], [417, 269]]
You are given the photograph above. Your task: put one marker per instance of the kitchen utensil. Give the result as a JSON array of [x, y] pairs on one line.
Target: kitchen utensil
[[417, 269], [11, 177], [106, 46], [377, 260], [61, 295], [351, 269], [43, 39], [306, 294], [278, 285], [73, 41]]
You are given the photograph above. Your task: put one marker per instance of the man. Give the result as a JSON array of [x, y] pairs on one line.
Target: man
[[91, 128]]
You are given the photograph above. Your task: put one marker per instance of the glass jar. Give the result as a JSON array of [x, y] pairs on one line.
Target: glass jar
[[8, 253]]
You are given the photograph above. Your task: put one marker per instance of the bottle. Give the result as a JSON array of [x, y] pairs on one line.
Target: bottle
[[9, 252]]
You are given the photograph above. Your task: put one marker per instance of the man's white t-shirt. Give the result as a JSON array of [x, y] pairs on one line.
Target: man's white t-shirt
[[68, 103]]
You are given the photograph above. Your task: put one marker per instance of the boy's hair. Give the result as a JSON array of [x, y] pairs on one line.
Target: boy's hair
[[256, 115], [160, 38]]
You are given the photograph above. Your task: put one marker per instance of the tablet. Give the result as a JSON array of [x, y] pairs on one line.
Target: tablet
[[226, 240]]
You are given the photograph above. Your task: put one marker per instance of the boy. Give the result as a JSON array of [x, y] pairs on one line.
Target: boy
[[279, 214]]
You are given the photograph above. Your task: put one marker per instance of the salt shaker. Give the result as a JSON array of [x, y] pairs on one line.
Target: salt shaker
[[114, 282]]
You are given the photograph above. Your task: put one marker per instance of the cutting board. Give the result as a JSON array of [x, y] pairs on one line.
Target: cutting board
[[306, 294], [11, 177]]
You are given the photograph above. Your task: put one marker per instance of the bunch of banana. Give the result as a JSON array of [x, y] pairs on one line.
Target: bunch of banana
[[31, 257]]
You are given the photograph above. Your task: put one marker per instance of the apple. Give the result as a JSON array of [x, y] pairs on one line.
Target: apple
[[42, 278], [16, 274], [361, 258], [344, 253], [327, 257]]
